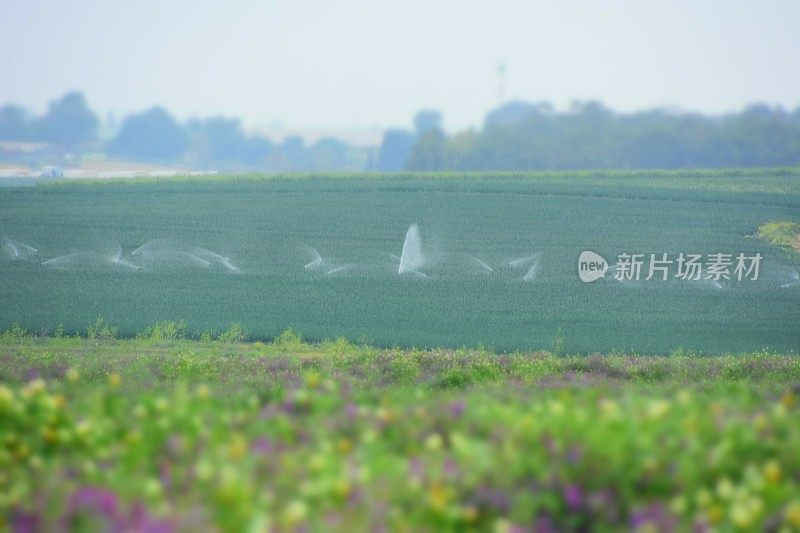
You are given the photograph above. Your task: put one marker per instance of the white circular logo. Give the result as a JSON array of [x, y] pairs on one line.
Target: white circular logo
[[591, 266]]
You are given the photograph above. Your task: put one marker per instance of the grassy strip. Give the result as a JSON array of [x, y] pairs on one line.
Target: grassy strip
[[533, 176], [784, 234]]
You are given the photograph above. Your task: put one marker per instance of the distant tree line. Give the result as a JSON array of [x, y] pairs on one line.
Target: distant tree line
[[68, 122], [515, 136], [155, 136], [396, 148], [521, 136]]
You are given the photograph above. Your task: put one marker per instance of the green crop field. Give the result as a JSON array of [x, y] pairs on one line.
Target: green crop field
[[497, 263]]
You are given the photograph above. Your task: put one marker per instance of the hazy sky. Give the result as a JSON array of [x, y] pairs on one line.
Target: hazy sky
[[360, 64]]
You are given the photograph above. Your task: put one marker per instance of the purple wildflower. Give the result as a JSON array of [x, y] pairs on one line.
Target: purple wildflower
[[656, 515], [101, 501], [573, 495], [457, 408], [24, 521], [449, 467], [574, 454], [262, 445]]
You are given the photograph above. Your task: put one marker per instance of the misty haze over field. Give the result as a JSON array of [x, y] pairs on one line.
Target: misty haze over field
[[361, 65], [311, 86]]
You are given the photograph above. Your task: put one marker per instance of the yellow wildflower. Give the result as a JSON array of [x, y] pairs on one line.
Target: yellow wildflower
[[502, 525], [152, 488], [345, 445], [470, 513], [703, 498], [437, 496], [788, 399], [385, 415], [161, 404], [343, 488], [316, 462], [556, 408], [772, 471], [23, 451], [313, 379], [83, 428], [204, 470], [609, 408], [295, 511], [684, 397], [792, 514], [133, 437], [725, 488], [741, 516], [433, 442], [203, 391], [34, 387], [647, 527], [35, 462], [715, 514], [50, 435], [760, 420], [658, 409], [6, 398], [237, 448], [59, 401], [678, 505]]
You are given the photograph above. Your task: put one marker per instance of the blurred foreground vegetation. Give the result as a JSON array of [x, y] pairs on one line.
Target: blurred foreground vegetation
[[162, 433]]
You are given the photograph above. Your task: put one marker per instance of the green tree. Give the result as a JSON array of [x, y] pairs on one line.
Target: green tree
[[394, 151], [150, 134], [429, 152], [14, 124], [68, 122]]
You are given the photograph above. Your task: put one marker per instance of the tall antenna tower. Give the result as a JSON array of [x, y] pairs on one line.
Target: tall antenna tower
[[501, 82]]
